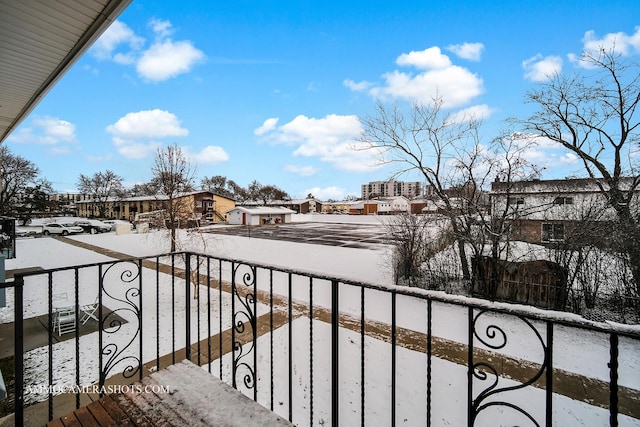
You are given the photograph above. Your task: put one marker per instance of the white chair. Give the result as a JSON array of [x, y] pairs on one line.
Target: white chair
[[65, 320], [89, 311], [60, 300], [64, 313]]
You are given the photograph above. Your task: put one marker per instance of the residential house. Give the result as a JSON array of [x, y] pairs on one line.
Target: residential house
[[381, 206], [302, 206], [364, 207], [259, 215], [394, 205], [425, 206], [336, 207], [549, 211]]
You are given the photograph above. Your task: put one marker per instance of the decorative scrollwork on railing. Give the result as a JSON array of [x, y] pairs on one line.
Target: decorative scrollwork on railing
[[244, 317], [125, 308], [495, 338]]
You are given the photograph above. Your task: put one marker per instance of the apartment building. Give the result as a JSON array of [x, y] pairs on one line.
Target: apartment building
[[203, 205], [549, 211], [391, 188]]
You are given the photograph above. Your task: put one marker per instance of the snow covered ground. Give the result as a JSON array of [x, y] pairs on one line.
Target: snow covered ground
[[576, 351]]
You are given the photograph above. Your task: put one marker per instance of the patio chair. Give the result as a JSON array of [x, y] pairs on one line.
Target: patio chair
[[89, 311], [65, 320], [60, 299]]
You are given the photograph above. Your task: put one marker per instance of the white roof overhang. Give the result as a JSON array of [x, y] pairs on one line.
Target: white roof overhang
[[39, 41]]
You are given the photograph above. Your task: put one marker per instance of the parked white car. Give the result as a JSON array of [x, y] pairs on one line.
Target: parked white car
[[62, 229], [93, 226], [114, 222]]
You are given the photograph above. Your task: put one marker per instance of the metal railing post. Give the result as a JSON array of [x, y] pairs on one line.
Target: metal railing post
[[19, 351], [549, 375], [335, 328], [613, 375], [393, 356], [187, 306]]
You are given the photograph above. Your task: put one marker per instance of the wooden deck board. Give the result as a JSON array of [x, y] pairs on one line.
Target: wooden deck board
[[70, 420], [118, 415], [103, 418], [135, 414], [180, 395], [84, 416]]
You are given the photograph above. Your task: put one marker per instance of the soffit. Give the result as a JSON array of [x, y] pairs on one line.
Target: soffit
[[39, 41]]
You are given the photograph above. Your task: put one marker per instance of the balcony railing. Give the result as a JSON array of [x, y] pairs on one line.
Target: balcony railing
[[319, 350]]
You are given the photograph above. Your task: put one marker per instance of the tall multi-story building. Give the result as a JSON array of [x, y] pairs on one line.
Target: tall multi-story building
[[391, 188]]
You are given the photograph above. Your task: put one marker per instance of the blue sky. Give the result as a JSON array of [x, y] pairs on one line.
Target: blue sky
[[272, 90]]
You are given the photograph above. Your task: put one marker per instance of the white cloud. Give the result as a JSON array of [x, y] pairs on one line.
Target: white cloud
[[620, 42], [46, 130], [469, 51], [456, 86], [168, 59], [302, 170], [163, 29], [210, 154], [133, 149], [539, 68], [56, 130], [439, 78], [476, 112], [428, 59], [164, 59], [357, 86], [331, 139], [117, 34], [334, 193], [125, 58], [134, 134], [544, 152], [267, 126], [148, 124]]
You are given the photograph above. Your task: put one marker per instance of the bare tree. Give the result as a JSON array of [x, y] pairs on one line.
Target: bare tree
[[217, 184], [447, 150], [488, 228], [144, 189], [174, 175], [36, 200], [594, 116], [426, 140], [101, 186], [238, 192], [16, 174], [270, 193], [410, 236], [254, 191]]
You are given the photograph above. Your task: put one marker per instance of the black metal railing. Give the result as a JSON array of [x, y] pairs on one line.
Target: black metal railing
[[320, 350]]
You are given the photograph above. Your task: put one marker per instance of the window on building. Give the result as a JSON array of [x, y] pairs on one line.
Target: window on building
[[516, 200], [552, 232], [563, 201]]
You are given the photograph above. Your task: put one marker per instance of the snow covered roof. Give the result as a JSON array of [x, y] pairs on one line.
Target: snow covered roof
[[301, 201], [153, 197], [579, 185], [262, 210]]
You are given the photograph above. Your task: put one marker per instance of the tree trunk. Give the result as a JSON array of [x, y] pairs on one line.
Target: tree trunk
[[630, 242], [464, 263]]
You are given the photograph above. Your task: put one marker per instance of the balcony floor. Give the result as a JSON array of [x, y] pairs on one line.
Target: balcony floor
[[180, 395]]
